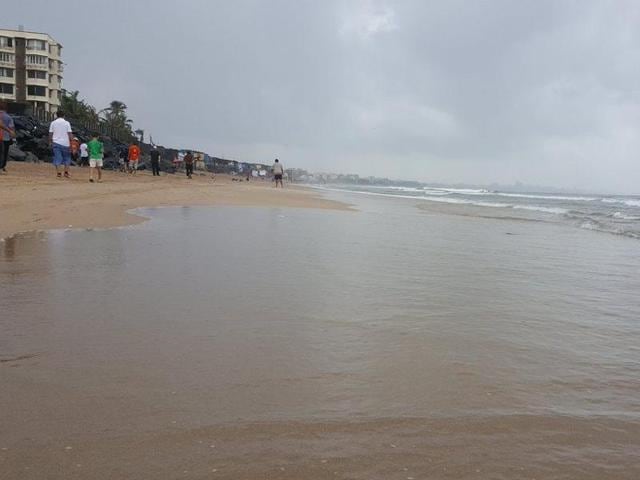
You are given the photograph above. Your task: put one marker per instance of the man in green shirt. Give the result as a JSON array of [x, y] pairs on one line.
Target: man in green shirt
[[96, 152]]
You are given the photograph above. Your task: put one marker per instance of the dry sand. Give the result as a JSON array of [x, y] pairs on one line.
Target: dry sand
[[32, 198]]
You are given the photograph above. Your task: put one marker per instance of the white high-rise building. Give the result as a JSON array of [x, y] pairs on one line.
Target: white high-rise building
[[31, 69]]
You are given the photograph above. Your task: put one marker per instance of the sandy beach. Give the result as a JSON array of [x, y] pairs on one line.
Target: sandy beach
[[34, 199]]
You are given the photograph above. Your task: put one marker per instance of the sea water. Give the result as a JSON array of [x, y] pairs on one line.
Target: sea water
[[614, 214]]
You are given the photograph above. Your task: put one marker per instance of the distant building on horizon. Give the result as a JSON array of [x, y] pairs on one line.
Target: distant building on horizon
[[31, 69]]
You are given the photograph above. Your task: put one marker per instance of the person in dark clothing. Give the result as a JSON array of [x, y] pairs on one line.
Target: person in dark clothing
[[124, 159], [188, 164], [155, 161], [7, 134]]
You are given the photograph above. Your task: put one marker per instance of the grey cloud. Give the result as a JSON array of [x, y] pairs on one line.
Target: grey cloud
[[542, 92]]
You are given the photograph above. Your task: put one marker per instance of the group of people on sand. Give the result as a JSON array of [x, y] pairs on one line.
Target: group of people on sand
[[66, 147], [129, 159]]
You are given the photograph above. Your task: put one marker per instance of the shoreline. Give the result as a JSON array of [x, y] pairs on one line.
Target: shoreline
[[35, 200]]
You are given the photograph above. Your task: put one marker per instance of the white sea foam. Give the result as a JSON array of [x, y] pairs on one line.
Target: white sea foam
[[463, 191], [461, 201], [597, 217], [623, 201], [435, 191], [623, 216], [467, 191], [546, 197], [401, 189], [537, 208]]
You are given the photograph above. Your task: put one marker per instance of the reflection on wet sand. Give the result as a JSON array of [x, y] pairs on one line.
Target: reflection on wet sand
[[269, 343]]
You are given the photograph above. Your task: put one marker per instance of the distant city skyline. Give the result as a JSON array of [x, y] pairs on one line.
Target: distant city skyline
[[543, 93]]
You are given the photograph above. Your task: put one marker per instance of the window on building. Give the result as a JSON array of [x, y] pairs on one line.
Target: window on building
[[36, 91], [37, 74], [6, 57], [6, 89], [36, 60], [33, 44], [6, 72], [6, 42]]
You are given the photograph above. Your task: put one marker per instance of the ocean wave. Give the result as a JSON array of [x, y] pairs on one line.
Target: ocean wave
[[622, 222], [623, 201], [591, 224], [546, 197], [439, 199], [462, 191], [400, 189], [437, 193], [461, 201], [536, 196], [537, 208], [622, 216]]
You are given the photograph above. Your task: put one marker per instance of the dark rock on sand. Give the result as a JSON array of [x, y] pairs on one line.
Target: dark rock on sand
[[16, 154]]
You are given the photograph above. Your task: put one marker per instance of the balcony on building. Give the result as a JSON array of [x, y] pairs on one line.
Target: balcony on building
[[7, 59], [38, 77], [37, 61], [34, 44], [7, 75], [37, 93], [7, 44], [7, 91]]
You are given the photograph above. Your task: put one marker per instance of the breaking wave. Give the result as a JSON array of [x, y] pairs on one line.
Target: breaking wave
[[628, 202], [614, 215]]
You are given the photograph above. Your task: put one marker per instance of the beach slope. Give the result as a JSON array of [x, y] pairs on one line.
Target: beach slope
[[34, 199]]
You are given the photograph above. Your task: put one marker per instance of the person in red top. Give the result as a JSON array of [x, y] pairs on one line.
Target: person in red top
[[75, 147], [134, 156]]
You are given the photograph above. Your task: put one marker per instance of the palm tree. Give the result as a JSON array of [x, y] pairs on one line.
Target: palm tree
[[77, 109], [115, 118], [116, 108]]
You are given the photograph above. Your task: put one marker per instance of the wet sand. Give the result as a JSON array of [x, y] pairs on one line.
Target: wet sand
[[32, 198], [493, 448], [277, 343]]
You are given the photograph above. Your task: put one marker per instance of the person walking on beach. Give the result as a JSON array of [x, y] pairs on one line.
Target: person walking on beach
[[278, 171], [124, 159], [8, 132], [188, 164], [84, 155], [134, 156], [155, 161], [75, 150], [60, 137], [96, 154]]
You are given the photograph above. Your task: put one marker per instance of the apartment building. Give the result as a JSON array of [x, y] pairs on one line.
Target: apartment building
[[31, 69]]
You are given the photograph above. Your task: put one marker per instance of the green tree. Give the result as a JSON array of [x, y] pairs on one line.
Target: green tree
[[77, 109], [116, 120]]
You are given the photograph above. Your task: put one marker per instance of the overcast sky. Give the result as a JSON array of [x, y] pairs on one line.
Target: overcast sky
[[542, 92]]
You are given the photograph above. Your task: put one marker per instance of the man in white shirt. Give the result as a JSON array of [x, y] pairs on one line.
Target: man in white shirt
[[84, 154], [278, 171], [60, 138]]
